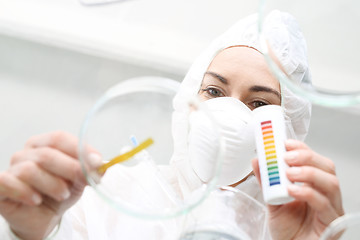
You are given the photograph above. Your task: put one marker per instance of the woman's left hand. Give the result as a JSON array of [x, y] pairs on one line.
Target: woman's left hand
[[317, 201]]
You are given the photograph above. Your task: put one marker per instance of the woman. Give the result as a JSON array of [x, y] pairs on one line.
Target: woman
[[45, 179]]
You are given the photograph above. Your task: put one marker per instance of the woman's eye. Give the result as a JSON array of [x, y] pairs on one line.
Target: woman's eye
[[257, 104], [213, 92]]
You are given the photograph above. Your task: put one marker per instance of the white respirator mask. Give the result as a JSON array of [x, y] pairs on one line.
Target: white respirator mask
[[234, 120]]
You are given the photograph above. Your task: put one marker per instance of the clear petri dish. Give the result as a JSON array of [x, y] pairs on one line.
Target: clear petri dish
[[329, 28], [227, 214], [131, 127], [344, 227]]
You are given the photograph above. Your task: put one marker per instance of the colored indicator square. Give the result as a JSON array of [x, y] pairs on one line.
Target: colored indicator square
[[271, 163], [266, 127], [269, 147], [273, 179], [266, 122], [271, 137], [267, 132], [269, 142], [271, 157], [274, 173], [274, 183], [272, 168], [270, 152]]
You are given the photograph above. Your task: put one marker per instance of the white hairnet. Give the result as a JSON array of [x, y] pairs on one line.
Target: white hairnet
[[289, 46]]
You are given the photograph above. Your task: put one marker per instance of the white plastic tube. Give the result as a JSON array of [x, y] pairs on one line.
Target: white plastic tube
[[270, 135]]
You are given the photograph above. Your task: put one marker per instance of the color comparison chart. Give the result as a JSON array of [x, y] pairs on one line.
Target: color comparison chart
[[270, 153]]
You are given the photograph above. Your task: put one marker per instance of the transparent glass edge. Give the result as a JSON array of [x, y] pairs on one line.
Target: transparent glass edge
[[142, 85], [319, 97], [340, 224]]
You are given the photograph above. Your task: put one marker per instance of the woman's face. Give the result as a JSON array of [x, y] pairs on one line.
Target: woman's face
[[242, 73]]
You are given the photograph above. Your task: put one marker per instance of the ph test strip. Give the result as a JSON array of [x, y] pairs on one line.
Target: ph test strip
[[270, 136], [270, 152]]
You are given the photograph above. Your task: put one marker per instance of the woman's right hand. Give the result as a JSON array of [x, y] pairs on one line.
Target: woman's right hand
[[44, 180]]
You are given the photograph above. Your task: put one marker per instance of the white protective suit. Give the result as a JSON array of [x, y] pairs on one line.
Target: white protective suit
[[92, 219]]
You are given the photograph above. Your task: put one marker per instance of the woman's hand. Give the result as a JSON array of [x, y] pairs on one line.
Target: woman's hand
[[317, 201], [43, 181]]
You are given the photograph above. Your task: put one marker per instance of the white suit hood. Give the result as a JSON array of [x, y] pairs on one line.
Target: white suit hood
[[289, 46]]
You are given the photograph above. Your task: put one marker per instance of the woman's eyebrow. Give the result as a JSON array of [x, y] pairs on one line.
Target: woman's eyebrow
[[258, 88], [218, 76]]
